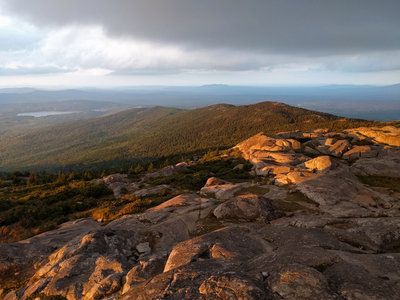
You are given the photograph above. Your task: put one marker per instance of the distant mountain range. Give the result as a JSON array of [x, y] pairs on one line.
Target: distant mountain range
[[155, 132], [380, 103]]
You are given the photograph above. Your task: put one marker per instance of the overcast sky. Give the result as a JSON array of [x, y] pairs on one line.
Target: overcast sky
[[103, 43]]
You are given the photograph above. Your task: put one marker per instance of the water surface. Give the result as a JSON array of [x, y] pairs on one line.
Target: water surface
[[38, 114]]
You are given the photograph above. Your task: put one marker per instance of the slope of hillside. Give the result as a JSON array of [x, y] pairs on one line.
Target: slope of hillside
[[309, 215], [155, 132]]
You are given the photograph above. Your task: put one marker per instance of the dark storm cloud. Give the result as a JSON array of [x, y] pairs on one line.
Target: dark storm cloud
[[297, 27]]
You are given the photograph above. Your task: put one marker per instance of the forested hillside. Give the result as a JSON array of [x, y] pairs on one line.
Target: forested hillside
[[155, 132]]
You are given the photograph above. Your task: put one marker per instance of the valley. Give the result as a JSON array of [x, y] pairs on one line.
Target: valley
[[19, 117]]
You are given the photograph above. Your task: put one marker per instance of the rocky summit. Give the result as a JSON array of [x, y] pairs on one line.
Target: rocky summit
[[320, 219]]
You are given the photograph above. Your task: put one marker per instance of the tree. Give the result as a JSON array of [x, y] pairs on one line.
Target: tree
[[87, 175], [150, 167], [33, 178], [61, 178], [71, 176], [138, 169], [166, 163], [131, 170]]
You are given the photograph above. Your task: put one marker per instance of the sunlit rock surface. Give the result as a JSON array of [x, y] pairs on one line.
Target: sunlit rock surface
[[306, 228]]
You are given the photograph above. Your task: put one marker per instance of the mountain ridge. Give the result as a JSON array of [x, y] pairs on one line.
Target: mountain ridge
[[156, 132]]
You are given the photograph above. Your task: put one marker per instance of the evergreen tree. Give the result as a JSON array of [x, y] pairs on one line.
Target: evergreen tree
[[61, 178], [131, 170], [166, 163], [33, 178], [138, 169], [87, 175], [71, 176]]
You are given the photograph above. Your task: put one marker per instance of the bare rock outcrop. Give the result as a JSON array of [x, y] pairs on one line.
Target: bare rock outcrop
[[168, 170], [221, 189], [21, 257], [385, 166], [262, 142], [272, 262], [118, 183], [360, 151], [341, 194], [144, 271], [152, 190], [389, 135], [295, 177], [307, 228], [220, 244], [340, 147], [249, 208], [327, 178], [320, 163], [101, 262]]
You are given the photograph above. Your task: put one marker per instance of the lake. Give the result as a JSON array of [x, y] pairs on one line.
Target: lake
[[39, 114]]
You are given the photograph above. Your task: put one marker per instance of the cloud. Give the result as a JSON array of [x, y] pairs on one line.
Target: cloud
[[367, 62], [17, 36], [36, 70], [306, 28], [88, 47], [182, 40]]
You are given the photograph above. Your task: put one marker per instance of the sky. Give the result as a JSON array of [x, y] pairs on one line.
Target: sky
[[102, 43]]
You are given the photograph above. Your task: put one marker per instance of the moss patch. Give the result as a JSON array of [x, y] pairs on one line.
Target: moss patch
[[289, 206], [386, 182], [299, 197], [321, 267], [296, 201], [253, 190], [206, 225]]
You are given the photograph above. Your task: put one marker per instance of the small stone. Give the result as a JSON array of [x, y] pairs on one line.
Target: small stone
[[143, 248], [239, 167]]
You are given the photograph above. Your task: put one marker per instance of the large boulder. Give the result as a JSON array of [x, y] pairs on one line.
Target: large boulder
[[118, 183], [386, 167], [360, 151], [152, 190], [168, 170], [221, 189], [341, 194], [227, 244], [20, 258], [288, 158], [296, 177], [207, 279], [377, 235], [144, 271], [340, 147], [320, 163], [94, 265], [262, 142], [389, 135], [265, 169], [249, 208]]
